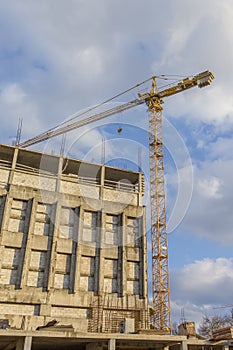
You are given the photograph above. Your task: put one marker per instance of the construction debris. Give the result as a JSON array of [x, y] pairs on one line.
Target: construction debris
[[54, 326], [223, 333]]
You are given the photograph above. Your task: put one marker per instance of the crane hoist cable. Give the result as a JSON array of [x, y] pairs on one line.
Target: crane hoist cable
[[143, 98], [78, 115]]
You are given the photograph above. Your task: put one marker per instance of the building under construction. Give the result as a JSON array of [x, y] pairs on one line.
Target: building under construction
[[73, 244], [73, 261]]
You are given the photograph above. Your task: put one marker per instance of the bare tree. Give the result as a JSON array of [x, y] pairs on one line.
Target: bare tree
[[210, 324]]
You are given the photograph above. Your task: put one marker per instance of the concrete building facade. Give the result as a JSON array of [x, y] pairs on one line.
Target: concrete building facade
[[73, 258], [72, 244]]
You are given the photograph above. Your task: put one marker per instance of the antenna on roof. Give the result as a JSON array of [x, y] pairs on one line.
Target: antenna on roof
[[182, 316], [19, 130], [139, 158]]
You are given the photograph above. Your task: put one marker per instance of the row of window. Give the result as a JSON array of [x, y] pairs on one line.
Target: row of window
[[69, 221], [36, 276], [39, 262]]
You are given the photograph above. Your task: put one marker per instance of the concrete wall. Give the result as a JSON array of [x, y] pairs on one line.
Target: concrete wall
[[72, 233]]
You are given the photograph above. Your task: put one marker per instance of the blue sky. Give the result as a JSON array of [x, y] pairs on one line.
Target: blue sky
[[58, 57]]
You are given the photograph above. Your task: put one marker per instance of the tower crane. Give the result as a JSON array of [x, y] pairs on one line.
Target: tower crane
[[161, 318]]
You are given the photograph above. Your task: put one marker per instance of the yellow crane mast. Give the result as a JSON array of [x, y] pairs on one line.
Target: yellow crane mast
[[161, 314], [160, 273]]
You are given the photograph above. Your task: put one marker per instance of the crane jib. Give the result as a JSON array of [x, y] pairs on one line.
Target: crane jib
[[201, 80]]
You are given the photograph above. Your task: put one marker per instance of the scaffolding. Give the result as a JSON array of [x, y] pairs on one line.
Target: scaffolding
[[106, 315]]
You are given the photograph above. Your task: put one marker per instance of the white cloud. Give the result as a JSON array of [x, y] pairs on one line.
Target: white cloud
[[16, 103], [199, 282], [189, 311], [73, 55], [197, 287], [220, 149], [209, 214], [13, 94], [205, 45], [209, 187]]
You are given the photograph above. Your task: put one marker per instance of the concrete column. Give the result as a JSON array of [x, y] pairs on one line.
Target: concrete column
[[6, 212], [101, 254], [52, 246], [78, 250], [26, 244], [101, 195], [225, 347], [142, 271], [53, 232], [98, 252], [124, 257], [51, 254], [112, 344], [184, 345], [24, 343], [8, 202], [59, 175], [139, 195], [144, 255], [5, 221], [27, 343], [13, 165], [74, 250]]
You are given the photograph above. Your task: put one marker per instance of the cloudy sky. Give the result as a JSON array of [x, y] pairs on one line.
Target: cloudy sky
[[58, 57]]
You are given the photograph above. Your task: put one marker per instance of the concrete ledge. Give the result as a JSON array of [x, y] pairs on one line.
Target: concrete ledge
[[75, 340], [100, 336]]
